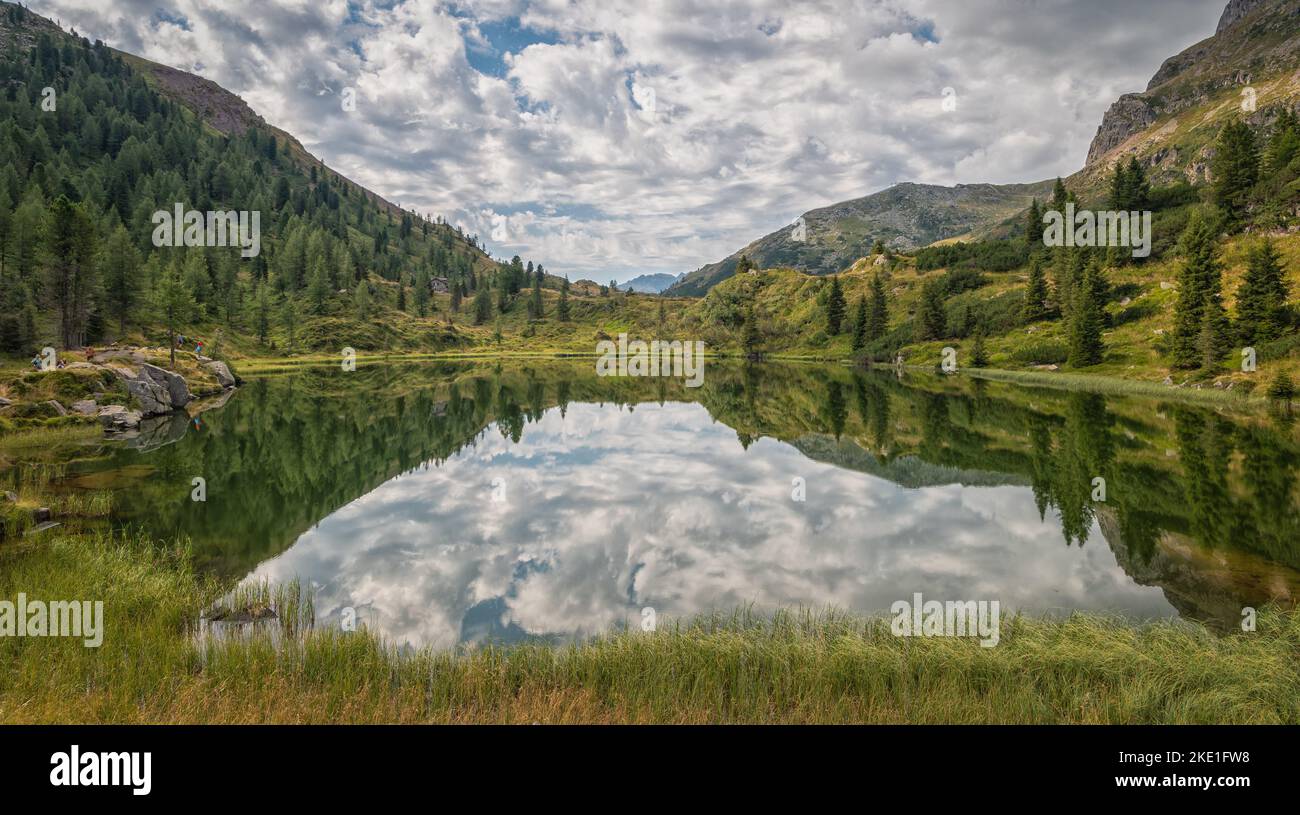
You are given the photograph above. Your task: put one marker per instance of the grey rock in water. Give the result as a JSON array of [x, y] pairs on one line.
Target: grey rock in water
[[222, 372], [116, 417]]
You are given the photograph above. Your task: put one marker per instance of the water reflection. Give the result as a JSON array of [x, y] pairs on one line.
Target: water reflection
[[612, 495]]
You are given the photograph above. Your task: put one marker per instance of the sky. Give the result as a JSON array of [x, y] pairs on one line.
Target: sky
[[611, 138]]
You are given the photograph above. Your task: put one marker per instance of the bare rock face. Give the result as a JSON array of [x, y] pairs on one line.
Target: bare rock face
[[153, 399], [1236, 10], [86, 407], [1129, 114]]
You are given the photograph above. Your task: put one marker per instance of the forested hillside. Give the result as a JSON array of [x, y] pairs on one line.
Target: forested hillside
[[91, 147]]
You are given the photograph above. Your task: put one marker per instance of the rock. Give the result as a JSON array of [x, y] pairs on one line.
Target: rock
[[1169, 380], [57, 408], [154, 399], [177, 389], [41, 514], [222, 372], [5, 402], [1165, 285], [86, 407], [41, 528], [116, 417], [1125, 301], [102, 357], [11, 497]]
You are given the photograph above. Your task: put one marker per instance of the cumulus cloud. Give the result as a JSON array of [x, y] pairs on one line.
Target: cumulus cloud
[[608, 138]]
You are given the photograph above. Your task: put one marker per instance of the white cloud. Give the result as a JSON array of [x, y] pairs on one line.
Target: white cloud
[[761, 111]]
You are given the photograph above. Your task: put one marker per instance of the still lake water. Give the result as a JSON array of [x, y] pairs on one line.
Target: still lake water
[[451, 503]]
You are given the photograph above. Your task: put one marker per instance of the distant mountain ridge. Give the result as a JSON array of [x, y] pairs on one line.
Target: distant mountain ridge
[[650, 283], [904, 216]]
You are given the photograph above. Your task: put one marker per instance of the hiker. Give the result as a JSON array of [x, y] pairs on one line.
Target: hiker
[[36, 361], [198, 348]]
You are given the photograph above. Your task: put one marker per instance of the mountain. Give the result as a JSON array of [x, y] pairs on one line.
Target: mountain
[[1248, 69], [1249, 66], [650, 283], [905, 216]]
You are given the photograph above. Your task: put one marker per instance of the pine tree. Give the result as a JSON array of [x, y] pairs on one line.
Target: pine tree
[[1036, 295], [1235, 168], [121, 276], [1034, 226], [535, 304], [262, 308], [171, 301], [73, 276], [482, 306], [934, 318], [289, 319], [835, 307], [1261, 298], [1087, 318], [752, 338], [318, 286], [562, 310], [361, 300], [860, 319], [1198, 281], [877, 310], [979, 357]]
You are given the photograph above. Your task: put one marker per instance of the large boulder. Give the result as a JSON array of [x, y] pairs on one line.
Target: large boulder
[[177, 388], [118, 418], [222, 372], [86, 407], [154, 399]]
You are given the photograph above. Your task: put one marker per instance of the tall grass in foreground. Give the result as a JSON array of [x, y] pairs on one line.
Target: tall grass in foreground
[[790, 667]]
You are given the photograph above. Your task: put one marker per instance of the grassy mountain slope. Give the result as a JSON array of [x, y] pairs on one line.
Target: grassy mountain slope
[[903, 217]]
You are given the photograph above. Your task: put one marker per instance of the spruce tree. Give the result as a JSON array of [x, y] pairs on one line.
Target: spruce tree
[[835, 307], [1035, 305], [1198, 280], [482, 305], [1261, 298], [934, 319], [878, 310], [1087, 318], [1235, 168], [752, 338], [562, 310], [860, 326]]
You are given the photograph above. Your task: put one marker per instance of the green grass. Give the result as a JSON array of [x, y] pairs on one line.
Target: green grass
[[790, 667]]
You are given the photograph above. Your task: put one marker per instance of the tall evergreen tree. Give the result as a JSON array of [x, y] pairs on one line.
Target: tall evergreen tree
[[1198, 281], [933, 316], [172, 302], [562, 310], [122, 282], [73, 277], [1235, 168], [860, 319], [835, 307], [1261, 298], [1087, 318], [877, 310], [1035, 307]]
